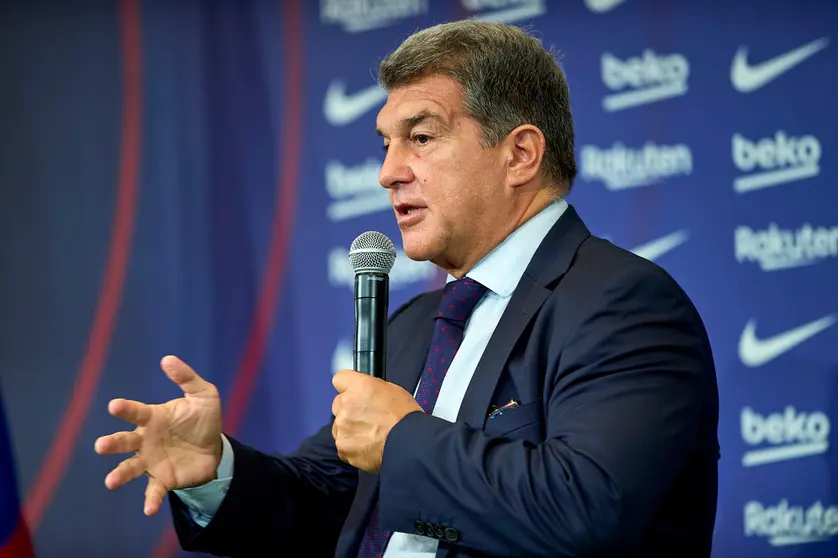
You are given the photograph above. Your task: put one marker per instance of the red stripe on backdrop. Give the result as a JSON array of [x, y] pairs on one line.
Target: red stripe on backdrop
[[274, 272], [19, 544], [55, 464]]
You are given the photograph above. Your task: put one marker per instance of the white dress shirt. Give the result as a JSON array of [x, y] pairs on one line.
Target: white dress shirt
[[499, 271]]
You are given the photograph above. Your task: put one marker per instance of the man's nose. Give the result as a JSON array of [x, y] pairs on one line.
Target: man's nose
[[395, 171]]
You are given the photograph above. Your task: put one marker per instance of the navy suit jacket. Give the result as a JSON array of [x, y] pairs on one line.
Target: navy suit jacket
[[612, 452]]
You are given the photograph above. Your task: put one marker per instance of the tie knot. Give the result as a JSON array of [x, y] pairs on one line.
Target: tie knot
[[459, 298]]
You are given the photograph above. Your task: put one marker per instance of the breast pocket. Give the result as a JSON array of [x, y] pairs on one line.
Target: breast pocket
[[523, 423]]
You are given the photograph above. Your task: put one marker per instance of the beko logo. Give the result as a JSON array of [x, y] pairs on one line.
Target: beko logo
[[362, 15], [773, 161], [650, 78], [785, 525], [405, 271], [775, 248], [783, 436], [620, 167], [354, 190]]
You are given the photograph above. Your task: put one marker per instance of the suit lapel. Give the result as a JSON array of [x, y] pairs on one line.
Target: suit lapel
[[523, 306], [549, 264]]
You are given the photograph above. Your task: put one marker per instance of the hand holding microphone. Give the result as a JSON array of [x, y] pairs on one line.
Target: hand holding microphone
[[367, 407]]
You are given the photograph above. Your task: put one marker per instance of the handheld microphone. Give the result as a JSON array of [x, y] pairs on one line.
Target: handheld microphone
[[372, 256]]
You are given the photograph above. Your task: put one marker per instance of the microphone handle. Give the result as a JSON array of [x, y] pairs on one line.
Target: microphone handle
[[372, 300]]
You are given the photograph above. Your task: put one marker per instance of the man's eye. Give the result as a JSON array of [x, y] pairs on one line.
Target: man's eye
[[421, 139]]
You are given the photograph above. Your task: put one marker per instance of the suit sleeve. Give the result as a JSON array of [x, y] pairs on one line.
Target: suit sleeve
[[622, 415], [275, 503], [203, 501]]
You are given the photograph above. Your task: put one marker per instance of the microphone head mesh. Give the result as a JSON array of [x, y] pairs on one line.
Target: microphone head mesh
[[372, 251]]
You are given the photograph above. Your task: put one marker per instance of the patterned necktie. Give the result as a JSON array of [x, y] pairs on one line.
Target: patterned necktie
[[458, 300]]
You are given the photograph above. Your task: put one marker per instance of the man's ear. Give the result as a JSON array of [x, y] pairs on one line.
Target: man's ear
[[525, 147]]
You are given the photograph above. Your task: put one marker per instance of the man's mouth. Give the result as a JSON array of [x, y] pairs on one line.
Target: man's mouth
[[407, 209]]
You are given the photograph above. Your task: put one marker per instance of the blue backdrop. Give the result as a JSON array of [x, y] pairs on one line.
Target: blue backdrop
[[186, 177]]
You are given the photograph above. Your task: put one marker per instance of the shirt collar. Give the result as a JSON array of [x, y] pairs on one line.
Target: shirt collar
[[502, 268]]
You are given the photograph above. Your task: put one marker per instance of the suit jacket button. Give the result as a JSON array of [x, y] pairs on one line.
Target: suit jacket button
[[452, 534], [420, 527], [439, 531]]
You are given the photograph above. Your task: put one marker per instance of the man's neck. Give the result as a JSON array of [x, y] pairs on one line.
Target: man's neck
[[536, 205]]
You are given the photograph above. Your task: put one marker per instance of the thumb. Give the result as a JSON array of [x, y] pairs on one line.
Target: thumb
[[184, 376]]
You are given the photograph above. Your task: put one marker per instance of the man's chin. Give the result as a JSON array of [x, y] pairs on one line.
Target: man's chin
[[416, 248], [418, 255]]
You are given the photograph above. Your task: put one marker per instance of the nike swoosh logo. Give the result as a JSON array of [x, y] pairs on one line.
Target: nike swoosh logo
[[747, 78], [340, 108], [755, 352], [660, 246], [602, 6]]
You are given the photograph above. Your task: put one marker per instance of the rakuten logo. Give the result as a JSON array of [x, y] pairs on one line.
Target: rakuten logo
[[405, 271], [787, 435], [505, 11], [786, 525], [651, 78], [620, 167], [362, 15], [775, 248], [355, 190], [774, 161]]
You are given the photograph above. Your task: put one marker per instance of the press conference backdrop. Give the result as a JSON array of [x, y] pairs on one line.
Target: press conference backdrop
[[187, 177]]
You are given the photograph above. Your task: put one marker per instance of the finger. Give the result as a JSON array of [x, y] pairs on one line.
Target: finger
[[338, 445], [336, 404], [120, 442], [184, 376], [125, 472], [154, 494], [131, 411]]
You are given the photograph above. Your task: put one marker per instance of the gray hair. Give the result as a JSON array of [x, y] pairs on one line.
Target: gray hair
[[508, 79]]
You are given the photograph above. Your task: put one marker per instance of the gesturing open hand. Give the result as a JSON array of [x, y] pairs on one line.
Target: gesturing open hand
[[176, 444]]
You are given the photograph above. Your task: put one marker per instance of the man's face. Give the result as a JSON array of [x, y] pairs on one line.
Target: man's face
[[444, 186]]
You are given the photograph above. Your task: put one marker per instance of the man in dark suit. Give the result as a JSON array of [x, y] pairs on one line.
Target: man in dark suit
[[557, 398]]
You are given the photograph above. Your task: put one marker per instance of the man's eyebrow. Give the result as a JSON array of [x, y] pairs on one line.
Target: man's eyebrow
[[411, 121]]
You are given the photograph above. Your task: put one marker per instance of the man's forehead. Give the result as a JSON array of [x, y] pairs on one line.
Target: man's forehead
[[435, 95], [405, 113]]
